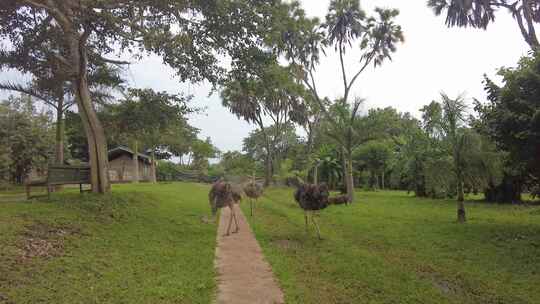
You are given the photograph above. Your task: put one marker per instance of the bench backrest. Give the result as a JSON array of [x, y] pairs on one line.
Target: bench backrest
[[62, 174]]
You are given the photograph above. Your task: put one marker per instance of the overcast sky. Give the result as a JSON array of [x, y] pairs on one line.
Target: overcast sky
[[432, 59]]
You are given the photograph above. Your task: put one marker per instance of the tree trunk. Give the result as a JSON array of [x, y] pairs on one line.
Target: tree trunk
[[153, 178], [349, 178], [59, 149], [135, 178], [95, 135], [461, 218], [316, 174], [344, 168], [59, 144], [268, 170], [382, 180]]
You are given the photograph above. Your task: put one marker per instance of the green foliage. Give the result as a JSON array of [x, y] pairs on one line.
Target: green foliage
[[286, 172], [76, 143], [512, 119], [237, 164], [328, 162], [151, 118], [27, 139], [375, 156], [202, 150], [282, 139]]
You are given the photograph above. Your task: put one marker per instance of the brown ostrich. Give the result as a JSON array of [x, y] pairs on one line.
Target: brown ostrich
[[312, 198], [223, 195], [253, 190]]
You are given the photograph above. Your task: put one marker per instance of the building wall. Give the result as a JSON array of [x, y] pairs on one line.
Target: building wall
[[121, 169]]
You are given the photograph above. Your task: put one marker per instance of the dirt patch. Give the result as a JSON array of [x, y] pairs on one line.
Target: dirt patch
[[287, 244], [44, 240], [444, 285]]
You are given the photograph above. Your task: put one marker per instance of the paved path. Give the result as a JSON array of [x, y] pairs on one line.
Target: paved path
[[243, 274]]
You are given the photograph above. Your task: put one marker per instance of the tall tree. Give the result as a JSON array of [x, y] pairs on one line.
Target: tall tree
[[270, 94], [91, 29], [512, 121], [480, 13], [282, 141], [149, 119], [452, 122], [303, 42]]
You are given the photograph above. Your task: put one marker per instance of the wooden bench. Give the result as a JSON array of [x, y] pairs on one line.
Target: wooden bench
[[62, 175]]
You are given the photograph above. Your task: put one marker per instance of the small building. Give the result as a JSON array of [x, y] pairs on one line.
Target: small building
[[122, 167]]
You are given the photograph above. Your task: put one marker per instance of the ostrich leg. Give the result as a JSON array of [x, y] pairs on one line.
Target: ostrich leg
[[251, 205], [306, 219], [235, 220], [316, 227], [214, 210], [230, 220]]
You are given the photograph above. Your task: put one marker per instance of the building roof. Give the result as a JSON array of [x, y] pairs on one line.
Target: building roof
[[116, 152]]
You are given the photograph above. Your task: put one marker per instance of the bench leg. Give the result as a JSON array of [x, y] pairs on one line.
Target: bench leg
[[80, 188], [48, 192], [27, 192]]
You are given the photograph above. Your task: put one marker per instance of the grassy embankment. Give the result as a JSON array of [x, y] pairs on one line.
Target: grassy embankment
[[142, 244]]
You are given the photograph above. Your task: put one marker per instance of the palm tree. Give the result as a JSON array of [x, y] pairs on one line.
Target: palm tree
[[342, 129], [345, 23], [480, 13], [453, 120], [273, 95]]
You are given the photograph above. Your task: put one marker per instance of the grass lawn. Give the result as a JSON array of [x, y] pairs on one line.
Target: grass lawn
[[393, 248], [146, 244], [142, 244]]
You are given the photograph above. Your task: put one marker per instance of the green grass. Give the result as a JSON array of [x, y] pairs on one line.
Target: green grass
[[142, 244], [146, 244], [393, 248]]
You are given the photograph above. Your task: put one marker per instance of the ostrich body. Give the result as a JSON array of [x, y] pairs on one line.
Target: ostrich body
[[253, 190], [222, 195], [312, 198]]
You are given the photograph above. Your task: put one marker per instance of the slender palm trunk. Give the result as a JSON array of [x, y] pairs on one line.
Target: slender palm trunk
[[316, 174], [461, 217], [344, 167], [268, 170], [349, 178]]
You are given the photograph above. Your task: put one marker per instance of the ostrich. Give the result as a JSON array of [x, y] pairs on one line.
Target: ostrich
[[253, 190], [223, 195], [313, 198]]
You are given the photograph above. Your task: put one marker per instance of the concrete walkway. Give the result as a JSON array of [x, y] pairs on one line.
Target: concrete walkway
[[243, 274]]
